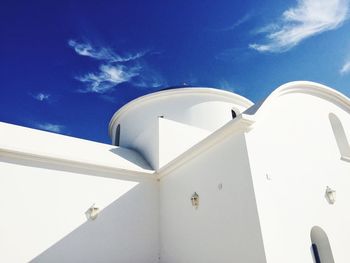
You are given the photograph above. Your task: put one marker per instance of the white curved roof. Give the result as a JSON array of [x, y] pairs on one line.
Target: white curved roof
[[152, 97], [144, 123], [179, 100], [40, 145], [246, 120], [303, 87]]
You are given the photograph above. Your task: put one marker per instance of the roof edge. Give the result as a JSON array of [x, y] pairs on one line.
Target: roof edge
[[188, 90], [241, 124], [305, 87], [71, 163]]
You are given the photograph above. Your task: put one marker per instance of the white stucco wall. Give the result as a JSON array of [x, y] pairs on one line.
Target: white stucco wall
[[49, 181], [261, 192], [225, 226], [294, 157], [43, 218], [176, 138]]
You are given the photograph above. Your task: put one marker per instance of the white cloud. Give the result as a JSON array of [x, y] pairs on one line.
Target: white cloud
[[50, 127], [103, 53], [107, 78], [148, 83], [41, 96], [345, 69], [239, 22], [115, 69], [148, 78], [306, 19]]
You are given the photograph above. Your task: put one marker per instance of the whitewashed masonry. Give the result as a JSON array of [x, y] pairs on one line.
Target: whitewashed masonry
[[192, 175]]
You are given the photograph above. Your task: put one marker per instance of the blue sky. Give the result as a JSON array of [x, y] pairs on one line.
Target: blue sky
[[67, 66]]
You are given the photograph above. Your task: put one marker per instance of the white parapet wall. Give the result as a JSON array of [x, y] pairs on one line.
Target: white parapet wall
[[44, 200]]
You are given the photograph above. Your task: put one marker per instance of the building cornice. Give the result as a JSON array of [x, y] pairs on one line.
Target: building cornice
[[64, 162], [241, 124], [235, 98]]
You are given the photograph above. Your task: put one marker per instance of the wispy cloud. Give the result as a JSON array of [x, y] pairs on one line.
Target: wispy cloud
[[103, 53], [41, 96], [108, 77], [114, 69], [306, 19], [50, 127], [153, 82], [345, 68], [239, 22], [148, 78]]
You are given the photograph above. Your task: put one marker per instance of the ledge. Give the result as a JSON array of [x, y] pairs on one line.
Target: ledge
[[242, 123], [345, 158]]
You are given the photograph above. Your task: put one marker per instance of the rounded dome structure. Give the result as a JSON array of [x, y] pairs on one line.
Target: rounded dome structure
[[136, 125]]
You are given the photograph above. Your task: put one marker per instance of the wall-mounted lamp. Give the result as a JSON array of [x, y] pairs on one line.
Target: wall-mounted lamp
[[92, 212], [330, 195], [195, 200]]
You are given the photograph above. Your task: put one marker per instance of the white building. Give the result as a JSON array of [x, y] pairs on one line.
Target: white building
[[199, 175]]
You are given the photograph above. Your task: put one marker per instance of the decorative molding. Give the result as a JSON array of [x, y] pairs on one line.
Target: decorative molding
[[69, 163], [242, 101], [345, 158], [304, 87]]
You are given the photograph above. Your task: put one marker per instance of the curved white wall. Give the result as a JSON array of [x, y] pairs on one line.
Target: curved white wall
[[294, 156], [203, 108]]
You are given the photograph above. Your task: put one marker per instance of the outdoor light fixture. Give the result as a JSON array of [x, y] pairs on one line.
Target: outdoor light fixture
[[195, 200], [92, 212], [330, 195]]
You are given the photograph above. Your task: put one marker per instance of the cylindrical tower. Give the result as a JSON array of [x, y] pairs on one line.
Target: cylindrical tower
[[181, 116]]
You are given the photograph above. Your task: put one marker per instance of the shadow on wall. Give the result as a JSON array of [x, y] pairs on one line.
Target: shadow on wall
[[125, 231], [340, 136], [125, 154], [321, 247], [55, 230]]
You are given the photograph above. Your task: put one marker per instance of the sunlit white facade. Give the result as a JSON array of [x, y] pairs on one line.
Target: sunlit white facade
[[192, 175]]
